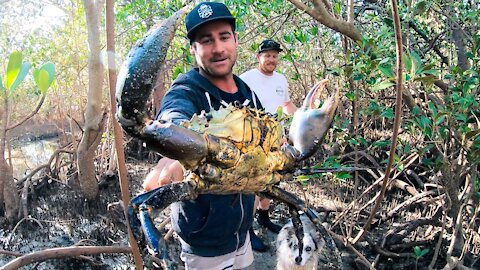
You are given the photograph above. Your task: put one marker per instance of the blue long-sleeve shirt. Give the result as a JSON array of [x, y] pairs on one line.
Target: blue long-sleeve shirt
[[211, 225]]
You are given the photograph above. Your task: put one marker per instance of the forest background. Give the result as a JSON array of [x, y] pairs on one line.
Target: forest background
[[58, 74]]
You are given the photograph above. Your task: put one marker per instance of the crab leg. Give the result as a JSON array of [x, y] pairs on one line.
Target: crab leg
[[139, 210], [295, 203], [297, 225], [189, 147]]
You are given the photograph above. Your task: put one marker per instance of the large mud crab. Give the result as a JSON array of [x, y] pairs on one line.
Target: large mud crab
[[231, 150]]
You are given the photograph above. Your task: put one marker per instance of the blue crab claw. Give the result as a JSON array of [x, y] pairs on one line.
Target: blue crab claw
[[138, 74], [141, 223], [309, 124]]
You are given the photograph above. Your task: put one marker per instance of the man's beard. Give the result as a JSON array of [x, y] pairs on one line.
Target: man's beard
[[218, 74]]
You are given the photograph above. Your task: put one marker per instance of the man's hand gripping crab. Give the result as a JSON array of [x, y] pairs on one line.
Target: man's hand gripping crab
[[233, 150]]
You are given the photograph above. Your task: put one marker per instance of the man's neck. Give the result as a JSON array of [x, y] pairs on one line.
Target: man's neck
[[226, 83], [264, 72]]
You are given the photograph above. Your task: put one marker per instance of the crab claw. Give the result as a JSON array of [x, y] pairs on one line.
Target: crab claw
[[309, 124], [141, 223], [138, 74]]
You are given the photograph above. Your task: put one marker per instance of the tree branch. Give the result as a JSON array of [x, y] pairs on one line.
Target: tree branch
[[39, 105], [64, 252], [322, 15]]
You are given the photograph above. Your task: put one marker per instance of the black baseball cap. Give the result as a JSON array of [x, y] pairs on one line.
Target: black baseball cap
[[207, 12], [268, 45]]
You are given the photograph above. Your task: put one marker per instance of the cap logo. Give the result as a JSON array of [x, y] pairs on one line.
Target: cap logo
[[205, 11]]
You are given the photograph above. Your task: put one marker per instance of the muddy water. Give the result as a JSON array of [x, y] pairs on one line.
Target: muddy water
[[30, 154]]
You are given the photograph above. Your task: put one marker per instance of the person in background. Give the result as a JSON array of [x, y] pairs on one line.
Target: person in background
[[271, 88], [213, 229]]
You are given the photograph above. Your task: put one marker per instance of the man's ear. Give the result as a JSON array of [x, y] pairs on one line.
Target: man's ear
[[192, 48]]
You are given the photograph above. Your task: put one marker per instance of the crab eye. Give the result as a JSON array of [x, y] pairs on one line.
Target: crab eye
[[308, 249]]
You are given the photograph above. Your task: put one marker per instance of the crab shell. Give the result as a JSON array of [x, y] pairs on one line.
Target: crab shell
[[245, 150]]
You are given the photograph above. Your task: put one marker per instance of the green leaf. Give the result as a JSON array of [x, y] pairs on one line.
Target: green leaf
[[406, 148], [424, 252], [301, 36], [416, 63], [382, 85], [338, 8], [350, 95], [381, 143], [24, 68], [428, 80], [50, 68], [433, 109], [352, 141], [440, 119], [424, 122], [13, 68], [417, 251], [177, 71], [364, 141], [461, 117], [303, 179], [335, 71], [407, 62], [42, 81], [279, 112], [388, 21], [388, 113], [371, 80], [343, 175], [386, 70], [431, 72], [384, 61]]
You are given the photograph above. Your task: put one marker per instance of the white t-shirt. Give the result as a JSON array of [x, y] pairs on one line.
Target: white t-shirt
[[272, 90]]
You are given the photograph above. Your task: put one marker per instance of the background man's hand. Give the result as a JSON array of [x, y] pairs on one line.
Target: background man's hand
[[166, 172]]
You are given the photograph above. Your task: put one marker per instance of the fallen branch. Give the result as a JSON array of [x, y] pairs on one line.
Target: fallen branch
[[407, 203], [347, 244], [64, 252], [10, 253]]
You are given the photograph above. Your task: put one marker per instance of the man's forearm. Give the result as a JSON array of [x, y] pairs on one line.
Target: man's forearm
[[289, 108]]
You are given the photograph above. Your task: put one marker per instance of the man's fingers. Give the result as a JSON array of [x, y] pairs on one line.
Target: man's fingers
[[166, 172]]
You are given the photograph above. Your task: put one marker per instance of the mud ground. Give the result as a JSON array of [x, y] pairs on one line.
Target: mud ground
[[58, 216]]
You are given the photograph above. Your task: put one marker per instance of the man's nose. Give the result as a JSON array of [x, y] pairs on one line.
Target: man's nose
[[218, 47]]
